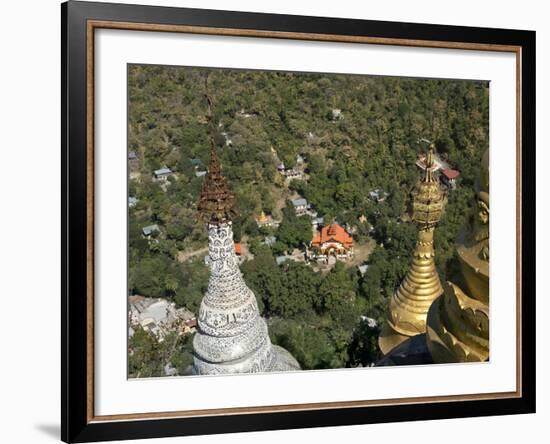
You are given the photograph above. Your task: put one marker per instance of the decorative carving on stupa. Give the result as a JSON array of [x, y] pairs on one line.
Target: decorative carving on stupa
[[409, 305], [458, 321], [231, 335]]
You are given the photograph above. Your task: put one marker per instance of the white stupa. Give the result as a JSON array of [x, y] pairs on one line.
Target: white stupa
[[231, 336]]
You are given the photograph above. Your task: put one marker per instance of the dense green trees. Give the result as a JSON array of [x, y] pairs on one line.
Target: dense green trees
[[312, 315], [294, 231], [148, 357], [193, 284], [373, 146], [144, 356]]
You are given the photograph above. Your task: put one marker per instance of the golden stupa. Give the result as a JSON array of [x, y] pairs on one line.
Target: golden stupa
[[409, 305], [458, 321], [262, 218]]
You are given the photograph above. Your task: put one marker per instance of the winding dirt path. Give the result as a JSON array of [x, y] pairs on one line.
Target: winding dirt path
[[185, 255]]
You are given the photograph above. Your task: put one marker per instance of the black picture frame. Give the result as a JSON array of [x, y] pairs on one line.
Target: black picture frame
[[77, 425]]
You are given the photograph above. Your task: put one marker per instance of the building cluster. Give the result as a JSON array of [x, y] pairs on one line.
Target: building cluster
[[159, 317], [329, 243], [295, 172], [290, 173]]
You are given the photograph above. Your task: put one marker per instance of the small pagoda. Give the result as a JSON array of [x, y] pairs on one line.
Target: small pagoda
[[265, 220]]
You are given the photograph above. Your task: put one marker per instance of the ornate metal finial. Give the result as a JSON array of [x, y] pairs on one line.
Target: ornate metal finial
[[429, 176], [427, 195], [216, 201]]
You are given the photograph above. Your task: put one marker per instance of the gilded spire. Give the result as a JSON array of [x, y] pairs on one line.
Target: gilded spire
[[410, 303], [427, 196], [458, 321], [429, 164], [216, 202]]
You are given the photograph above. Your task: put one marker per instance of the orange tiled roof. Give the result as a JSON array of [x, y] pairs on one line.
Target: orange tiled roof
[[238, 250], [332, 233]]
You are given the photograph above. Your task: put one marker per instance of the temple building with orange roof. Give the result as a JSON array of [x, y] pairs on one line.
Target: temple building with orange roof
[[332, 240]]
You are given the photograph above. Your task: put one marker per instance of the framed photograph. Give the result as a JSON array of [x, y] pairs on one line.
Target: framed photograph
[[276, 221]]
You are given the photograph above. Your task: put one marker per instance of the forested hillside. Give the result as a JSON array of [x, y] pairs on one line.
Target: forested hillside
[[262, 119]]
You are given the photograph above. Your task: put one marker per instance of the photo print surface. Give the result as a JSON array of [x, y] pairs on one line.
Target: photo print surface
[[284, 221]]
